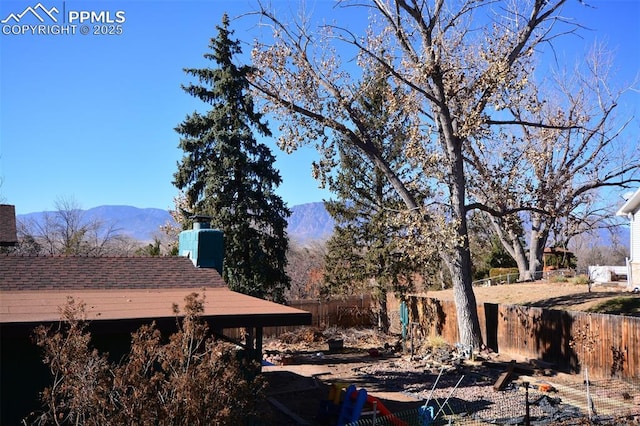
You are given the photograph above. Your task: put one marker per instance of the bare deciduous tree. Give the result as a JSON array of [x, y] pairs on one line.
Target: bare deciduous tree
[[599, 248], [67, 231], [454, 60], [305, 266], [543, 183]]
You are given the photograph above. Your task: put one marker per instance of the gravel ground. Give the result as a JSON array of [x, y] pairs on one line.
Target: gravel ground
[[305, 370]]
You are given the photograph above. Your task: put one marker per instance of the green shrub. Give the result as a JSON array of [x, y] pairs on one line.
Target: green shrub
[[495, 272], [480, 274]]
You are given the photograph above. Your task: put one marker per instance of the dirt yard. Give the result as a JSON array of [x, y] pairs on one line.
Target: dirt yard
[[460, 389], [304, 370], [566, 296]]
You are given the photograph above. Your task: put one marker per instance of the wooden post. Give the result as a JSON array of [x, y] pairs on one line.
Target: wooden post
[[258, 354]]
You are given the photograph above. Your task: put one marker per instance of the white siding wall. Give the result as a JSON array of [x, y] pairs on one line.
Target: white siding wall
[[635, 238], [635, 250]]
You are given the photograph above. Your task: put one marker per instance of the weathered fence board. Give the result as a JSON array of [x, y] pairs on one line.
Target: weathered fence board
[[353, 311], [609, 345]]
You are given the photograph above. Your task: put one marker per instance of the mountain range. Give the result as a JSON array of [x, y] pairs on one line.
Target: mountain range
[[308, 222]]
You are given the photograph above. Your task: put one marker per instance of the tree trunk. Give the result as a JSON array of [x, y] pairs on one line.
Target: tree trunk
[[466, 308], [383, 311], [511, 243], [537, 241], [518, 254], [459, 259], [523, 267], [379, 293]]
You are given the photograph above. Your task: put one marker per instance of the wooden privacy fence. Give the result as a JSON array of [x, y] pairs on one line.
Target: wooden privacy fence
[[609, 345], [354, 311]]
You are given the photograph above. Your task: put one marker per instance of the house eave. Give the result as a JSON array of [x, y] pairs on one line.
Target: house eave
[[223, 308], [631, 206]]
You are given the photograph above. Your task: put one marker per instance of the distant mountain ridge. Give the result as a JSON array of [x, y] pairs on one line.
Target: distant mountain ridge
[[307, 222], [310, 222]]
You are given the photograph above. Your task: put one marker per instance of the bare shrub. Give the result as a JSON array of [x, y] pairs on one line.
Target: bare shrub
[[581, 279], [190, 379]]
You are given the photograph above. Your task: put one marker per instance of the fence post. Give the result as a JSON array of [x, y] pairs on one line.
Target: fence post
[[526, 400]]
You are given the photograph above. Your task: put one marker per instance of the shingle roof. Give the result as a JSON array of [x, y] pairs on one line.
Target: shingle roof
[[84, 272], [8, 236], [33, 288]]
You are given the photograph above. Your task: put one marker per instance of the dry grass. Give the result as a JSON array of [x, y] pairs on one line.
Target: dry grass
[[567, 296]]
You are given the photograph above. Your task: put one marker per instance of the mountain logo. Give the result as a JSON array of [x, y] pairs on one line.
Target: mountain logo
[[39, 11]]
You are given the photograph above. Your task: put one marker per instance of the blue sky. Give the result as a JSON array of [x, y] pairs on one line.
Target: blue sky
[[91, 117]]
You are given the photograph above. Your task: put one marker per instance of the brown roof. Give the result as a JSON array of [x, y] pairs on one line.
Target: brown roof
[[91, 272], [8, 236], [33, 288], [229, 308]]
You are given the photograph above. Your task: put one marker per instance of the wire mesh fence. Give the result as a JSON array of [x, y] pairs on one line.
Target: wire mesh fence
[[599, 402]]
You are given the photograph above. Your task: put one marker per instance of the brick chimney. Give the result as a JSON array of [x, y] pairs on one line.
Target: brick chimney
[[203, 245], [8, 235]]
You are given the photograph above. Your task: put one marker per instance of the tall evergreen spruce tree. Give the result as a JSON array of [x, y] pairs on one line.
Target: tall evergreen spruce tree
[[363, 253], [228, 175]]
